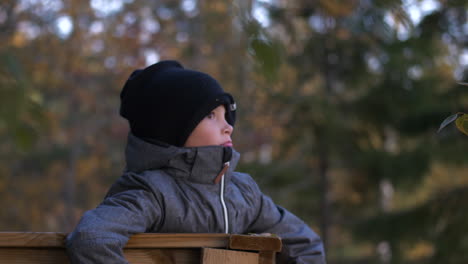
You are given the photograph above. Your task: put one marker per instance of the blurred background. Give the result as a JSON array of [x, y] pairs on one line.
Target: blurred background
[[339, 103]]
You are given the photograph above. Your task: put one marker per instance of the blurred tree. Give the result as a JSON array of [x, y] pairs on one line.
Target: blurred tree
[[66, 61], [369, 89]]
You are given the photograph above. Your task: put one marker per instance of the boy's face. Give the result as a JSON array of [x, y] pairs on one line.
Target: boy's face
[[212, 130]]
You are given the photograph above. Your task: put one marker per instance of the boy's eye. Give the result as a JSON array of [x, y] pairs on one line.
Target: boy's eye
[[211, 115]]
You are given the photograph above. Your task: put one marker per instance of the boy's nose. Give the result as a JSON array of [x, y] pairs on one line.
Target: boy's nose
[[228, 129]]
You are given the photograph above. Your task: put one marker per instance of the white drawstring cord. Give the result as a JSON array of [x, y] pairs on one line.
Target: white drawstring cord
[[226, 218]]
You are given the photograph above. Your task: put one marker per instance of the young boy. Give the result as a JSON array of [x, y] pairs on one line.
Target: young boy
[[180, 174]]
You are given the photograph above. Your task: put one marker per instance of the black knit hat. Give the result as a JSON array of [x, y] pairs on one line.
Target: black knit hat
[[165, 102]]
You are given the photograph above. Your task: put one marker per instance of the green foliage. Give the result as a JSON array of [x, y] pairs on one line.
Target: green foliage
[[461, 120], [440, 221], [362, 109], [265, 51], [462, 123], [450, 119], [267, 55], [22, 114]]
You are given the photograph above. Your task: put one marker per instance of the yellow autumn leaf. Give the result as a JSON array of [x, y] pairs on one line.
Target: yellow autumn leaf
[[462, 123]]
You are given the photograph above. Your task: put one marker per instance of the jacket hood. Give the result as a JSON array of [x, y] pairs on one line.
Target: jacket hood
[[198, 164]]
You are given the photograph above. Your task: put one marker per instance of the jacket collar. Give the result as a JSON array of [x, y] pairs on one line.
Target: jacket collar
[[199, 164]]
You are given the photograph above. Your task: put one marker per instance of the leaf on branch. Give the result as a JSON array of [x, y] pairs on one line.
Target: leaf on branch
[[449, 120], [462, 123]]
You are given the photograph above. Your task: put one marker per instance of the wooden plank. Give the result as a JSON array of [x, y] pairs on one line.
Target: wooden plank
[[267, 257], [32, 239], [147, 240], [41, 248], [33, 256], [217, 256], [163, 256], [257, 243], [134, 256]]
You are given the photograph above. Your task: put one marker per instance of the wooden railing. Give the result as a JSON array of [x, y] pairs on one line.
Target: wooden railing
[[49, 248]]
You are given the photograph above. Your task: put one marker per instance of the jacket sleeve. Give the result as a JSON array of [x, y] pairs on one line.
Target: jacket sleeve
[[300, 243], [102, 232]]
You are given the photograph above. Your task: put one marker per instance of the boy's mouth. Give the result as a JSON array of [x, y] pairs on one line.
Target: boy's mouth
[[227, 144]]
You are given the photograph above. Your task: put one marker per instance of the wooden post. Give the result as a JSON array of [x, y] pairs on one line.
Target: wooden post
[[217, 256]]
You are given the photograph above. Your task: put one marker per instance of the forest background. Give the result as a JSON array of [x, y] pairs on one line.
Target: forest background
[[339, 104]]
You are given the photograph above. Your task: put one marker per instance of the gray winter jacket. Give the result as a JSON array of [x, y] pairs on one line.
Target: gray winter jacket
[[166, 189]]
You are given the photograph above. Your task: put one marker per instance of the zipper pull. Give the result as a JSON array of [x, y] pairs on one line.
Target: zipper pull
[[221, 173]]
